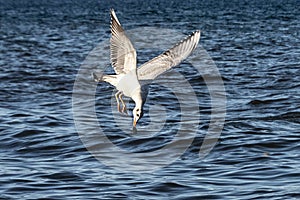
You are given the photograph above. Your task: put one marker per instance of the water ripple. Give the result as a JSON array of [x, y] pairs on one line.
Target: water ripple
[[254, 44]]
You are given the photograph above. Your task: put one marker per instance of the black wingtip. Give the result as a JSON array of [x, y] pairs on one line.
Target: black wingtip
[[196, 32]]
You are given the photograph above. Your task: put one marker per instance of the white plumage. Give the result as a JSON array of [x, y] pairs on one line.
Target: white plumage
[[124, 63]]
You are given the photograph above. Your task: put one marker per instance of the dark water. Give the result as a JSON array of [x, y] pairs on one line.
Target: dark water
[[255, 45]]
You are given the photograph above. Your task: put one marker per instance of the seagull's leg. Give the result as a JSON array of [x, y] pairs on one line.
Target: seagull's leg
[[124, 109], [118, 102]]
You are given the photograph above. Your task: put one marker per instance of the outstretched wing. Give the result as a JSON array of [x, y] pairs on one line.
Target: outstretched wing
[[170, 58], [122, 52]]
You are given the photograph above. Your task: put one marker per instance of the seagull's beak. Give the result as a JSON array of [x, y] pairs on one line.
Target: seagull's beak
[[134, 123]]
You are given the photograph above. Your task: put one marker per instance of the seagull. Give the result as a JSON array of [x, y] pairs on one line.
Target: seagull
[[124, 62]]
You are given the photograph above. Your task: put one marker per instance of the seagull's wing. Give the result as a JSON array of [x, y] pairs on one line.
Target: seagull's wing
[[170, 58], [122, 52]]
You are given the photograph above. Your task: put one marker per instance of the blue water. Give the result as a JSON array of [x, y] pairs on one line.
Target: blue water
[[254, 44]]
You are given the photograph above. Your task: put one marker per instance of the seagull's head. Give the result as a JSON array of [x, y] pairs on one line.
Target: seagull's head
[[138, 109], [137, 114]]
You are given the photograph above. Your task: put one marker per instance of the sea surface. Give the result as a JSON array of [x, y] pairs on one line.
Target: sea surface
[[50, 149]]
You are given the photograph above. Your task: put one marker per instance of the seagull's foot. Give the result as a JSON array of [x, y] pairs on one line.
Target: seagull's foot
[[124, 110], [119, 108], [118, 102]]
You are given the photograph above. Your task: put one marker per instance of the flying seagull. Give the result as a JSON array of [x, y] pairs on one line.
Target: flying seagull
[[124, 62]]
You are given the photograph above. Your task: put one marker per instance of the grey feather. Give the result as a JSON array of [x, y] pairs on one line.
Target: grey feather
[[170, 58], [122, 52]]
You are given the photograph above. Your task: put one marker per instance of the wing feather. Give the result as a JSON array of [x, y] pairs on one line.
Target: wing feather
[[122, 52], [170, 58]]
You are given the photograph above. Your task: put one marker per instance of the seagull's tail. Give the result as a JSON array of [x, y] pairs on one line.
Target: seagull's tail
[[100, 77], [97, 77]]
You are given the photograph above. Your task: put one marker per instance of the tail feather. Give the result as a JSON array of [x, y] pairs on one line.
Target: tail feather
[[101, 77], [97, 77]]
